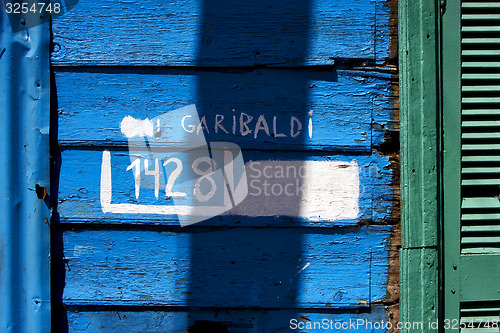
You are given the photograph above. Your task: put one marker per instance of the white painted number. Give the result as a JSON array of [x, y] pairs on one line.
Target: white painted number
[[137, 175], [155, 173], [173, 176], [204, 175]]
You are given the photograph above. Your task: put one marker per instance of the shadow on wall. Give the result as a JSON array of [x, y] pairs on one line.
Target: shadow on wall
[[247, 267]]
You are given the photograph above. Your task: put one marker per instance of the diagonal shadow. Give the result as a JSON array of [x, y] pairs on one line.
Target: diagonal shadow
[[244, 266]]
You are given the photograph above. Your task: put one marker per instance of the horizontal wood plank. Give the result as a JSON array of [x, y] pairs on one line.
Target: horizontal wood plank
[[81, 176], [339, 110], [221, 33], [240, 267], [234, 320]]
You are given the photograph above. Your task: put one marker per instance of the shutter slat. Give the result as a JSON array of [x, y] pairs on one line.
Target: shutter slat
[[481, 170], [479, 330], [474, 217], [481, 41], [486, 5], [480, 88], [481, 112], [477, 182], [481, 147], [474, 147], [481, 228], [480, 100], [481, 17], [468, 320], [486, 135], [482, 309], [480, 159], [480, 240], [479, 313], [481, 76], [469, 203], [480, 250], [481, 123], [476, 64], [476, 53]]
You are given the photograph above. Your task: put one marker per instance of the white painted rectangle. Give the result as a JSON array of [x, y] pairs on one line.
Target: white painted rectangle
[[315, 190]]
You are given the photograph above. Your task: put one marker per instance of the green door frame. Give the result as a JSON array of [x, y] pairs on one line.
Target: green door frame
[[451, 166], [420, 114]]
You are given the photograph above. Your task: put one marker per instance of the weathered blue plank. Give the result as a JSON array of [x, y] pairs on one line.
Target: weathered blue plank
[[347, 110], [241, 267], [80, 184], [383, 33], [234, 320], [220, 33], [385, 193]]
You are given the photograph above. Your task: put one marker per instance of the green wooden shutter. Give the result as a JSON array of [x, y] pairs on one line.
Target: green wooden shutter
[[471, 165]]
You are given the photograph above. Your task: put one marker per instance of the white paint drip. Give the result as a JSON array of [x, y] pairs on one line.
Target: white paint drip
[[305, 266], [132, 127], [310, 127]]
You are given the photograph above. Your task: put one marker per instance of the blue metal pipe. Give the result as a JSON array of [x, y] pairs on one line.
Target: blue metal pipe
[[24, 176]]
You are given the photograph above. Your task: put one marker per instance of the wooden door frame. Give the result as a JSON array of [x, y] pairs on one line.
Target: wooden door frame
[[420, 118]]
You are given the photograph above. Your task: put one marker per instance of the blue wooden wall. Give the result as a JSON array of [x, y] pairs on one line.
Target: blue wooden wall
[[320, 61]]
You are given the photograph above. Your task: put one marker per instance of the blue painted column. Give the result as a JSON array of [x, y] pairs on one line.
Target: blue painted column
[[24, 177]]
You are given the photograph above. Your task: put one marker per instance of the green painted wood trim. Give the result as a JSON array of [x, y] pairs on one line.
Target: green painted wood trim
[[419, 287], [419, 91], [479, 277], [451, 104]]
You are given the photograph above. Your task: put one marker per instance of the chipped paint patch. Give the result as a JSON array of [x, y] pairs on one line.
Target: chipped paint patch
[[131, 127]]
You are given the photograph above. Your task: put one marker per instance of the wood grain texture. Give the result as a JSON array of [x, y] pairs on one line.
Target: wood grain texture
[[221, 33], [348, 110], [241, 267], [234, 320], [79, 186], [128, 58]]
